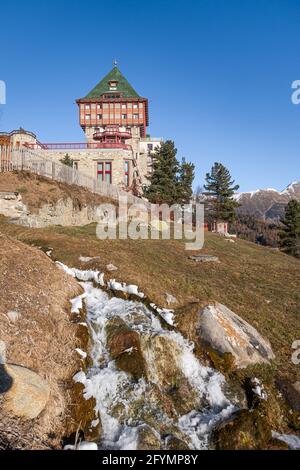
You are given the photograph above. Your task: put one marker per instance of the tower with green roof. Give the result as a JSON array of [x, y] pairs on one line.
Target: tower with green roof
[[113, 104]]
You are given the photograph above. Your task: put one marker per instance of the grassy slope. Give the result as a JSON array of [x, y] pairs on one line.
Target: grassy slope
[[259, 284]]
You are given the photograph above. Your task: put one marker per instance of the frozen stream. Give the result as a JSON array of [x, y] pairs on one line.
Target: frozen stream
[[127, 405]]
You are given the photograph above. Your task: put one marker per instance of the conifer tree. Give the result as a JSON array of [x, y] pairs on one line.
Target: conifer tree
[[163, 187], [185, 182], [67, 160], [290, 234], [220, 191]]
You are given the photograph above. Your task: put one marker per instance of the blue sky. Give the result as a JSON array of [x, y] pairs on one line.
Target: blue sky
[[217, 73]]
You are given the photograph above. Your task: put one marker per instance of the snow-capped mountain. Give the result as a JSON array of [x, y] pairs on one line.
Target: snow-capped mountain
[[268, 203]]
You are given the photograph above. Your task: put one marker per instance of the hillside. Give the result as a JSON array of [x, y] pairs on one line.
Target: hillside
[[37, 191], [259, 284], [38, 335]]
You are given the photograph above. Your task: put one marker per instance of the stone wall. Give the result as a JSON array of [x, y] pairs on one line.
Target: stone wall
[[11, 204], [64, 212], [86, 161]]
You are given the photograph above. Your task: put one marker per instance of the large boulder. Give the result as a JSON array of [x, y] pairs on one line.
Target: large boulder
[[224, 332], [27, 393]]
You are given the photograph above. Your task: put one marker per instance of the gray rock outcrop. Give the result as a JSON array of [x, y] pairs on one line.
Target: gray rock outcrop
[[225, 332], [26, 393]]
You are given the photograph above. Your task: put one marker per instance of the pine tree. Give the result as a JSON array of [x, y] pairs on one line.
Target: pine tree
[[185, 182], [220, 191], [67, 160], [290, 234], [163, 187]]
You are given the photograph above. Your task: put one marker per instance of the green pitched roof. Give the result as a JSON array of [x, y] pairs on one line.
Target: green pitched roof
[[123, 86]]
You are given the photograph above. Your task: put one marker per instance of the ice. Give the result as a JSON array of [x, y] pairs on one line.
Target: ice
[[83, 445], [291, 440], [81, 353], [112, 387], [77, 303], [129, 289], [165, 313]]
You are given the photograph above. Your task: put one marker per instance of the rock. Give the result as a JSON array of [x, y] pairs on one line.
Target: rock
[[246, 430], [2, 352], [148, 439], [13, 316], [296, 386], [291, 393], [171, 299], [111, 268], [225, 332], [28, 393], [87, 259], [173, 443], [162, 354], [124, 346], [205, 259]]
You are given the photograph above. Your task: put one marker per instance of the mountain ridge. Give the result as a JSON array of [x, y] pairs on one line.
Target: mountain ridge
[[267, 204]]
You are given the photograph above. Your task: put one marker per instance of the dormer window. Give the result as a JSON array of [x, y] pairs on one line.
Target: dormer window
[[113, 85]]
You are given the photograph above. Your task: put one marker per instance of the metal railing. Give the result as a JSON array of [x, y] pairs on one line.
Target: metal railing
[[24, 159], [77, 146]]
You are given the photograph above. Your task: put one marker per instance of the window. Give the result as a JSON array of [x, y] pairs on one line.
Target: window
[[111, 96], [135, 116], [75, 165], [104, 172], [123, 106], [135, 105], [124, 116], [126, 168], [99, 116], [99, 106], [113, 85], [87, 117], [87, 107], [150, 147]]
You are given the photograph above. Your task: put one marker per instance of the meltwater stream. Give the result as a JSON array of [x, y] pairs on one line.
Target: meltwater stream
[[178, 397]]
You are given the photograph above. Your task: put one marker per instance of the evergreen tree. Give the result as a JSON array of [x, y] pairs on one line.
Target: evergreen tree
[[163, 186], [290, 234], [220, 191], [67, 160], [185, 182]]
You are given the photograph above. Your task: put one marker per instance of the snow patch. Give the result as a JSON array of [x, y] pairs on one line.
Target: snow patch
[[258, 389], [83, 445], [165, 313], [77, 303], [129, 289], [88, 275], [81, 353]]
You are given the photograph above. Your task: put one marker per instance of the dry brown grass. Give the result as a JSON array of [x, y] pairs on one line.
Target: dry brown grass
[[42, 339], [37, 190], [259, 284]]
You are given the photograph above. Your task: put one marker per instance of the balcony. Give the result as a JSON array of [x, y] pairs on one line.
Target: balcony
[[79, 146], [112, 132]]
